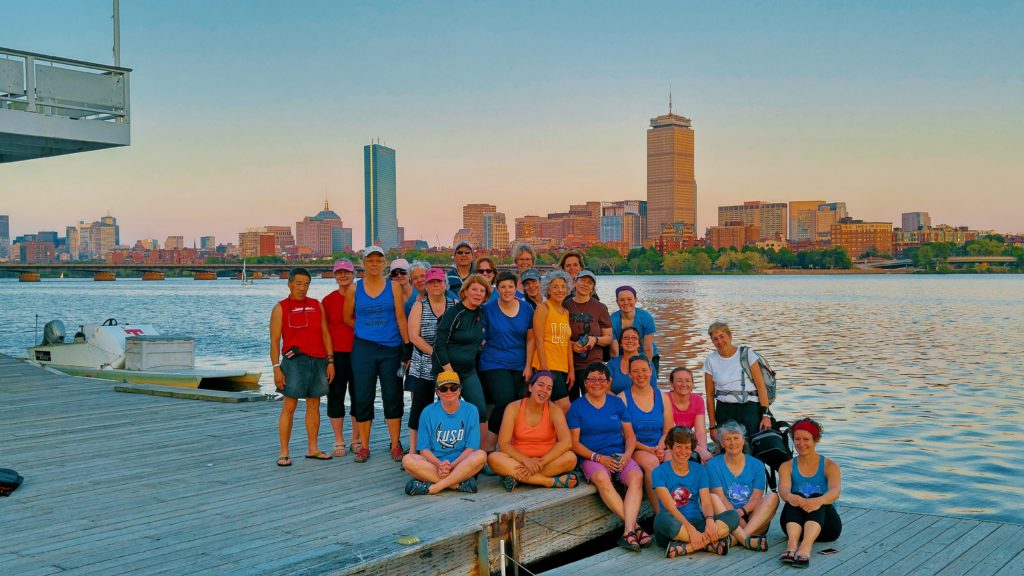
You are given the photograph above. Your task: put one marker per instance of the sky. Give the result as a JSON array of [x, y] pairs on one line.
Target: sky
[[250, 113]]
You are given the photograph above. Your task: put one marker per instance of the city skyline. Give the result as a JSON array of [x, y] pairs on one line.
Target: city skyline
[[895, 109]]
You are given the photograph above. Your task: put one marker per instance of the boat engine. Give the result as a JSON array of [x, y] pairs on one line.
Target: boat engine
[[53, 332]]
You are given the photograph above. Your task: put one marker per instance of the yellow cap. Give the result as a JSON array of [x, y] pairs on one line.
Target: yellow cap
[[448, 378]]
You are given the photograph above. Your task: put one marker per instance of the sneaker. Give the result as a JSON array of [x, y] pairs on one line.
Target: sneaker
[[417, 488], [362, 455], [397, 452], [509, 483], [468, 486], [486, 471]]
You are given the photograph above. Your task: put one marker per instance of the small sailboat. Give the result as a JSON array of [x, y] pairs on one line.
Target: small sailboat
[[245, 279]]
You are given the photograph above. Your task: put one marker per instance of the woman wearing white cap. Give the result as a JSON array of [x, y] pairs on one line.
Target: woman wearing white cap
[[341, 339], [374, 308]]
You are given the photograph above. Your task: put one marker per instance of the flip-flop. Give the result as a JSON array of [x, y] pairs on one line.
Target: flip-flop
[[801, 561], [339, 449], [787, 556], [319, 455], [284, 461]]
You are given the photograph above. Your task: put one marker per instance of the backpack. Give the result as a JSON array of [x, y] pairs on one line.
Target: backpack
[[9, 481], [772, 447], [767, 374]]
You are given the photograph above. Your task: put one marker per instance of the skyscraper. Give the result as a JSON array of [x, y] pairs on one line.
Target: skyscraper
[[911, 220], [801, 216], [671, 187], [318, 233], [473, 220], [380, 196], [770, 218], [5, 236]]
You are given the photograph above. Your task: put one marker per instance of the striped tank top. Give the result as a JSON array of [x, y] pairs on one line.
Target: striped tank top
[[420, 365]]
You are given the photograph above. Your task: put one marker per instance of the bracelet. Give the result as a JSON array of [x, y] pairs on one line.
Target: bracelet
[[276, 366], [594, 456], [329, 361]]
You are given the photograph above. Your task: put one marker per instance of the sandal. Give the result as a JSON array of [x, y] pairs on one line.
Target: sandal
[[284, 461], [567, 480], [355, 446], [362, 455], [675, 549], [801, 561], [319, 455], [720, 547], [510, 483], [629, 542], [397, 452], [758, 542], [642, 537], [339, 449], [787, 557]]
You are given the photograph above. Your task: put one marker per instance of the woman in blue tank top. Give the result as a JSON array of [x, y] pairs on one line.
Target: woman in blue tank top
[[809, 485], [374, 307], [652, 419]]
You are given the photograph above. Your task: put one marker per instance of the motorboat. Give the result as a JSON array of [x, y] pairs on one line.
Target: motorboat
[[134, 353]]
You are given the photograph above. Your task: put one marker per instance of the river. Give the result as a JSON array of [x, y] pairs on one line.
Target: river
[[915, 378]]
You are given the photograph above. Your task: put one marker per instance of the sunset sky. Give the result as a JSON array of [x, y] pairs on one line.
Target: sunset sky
[[249, 113]]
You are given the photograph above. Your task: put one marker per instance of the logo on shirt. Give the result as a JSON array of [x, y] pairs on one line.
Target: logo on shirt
[[739, 494], [682, 496], [448, 439], [809, 489]]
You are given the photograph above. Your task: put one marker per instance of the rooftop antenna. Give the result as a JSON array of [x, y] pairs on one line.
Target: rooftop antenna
[[669, 99], [117, 34]]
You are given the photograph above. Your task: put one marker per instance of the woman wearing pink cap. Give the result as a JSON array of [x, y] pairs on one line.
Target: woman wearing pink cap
[[423, 318], [341, 338]]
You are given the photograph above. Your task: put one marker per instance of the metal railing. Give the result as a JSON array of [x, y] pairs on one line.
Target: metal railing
[[54, 86]]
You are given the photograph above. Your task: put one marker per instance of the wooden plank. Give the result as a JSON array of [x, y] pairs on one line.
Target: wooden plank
[[190, 393], [990, 554], [954, 549]]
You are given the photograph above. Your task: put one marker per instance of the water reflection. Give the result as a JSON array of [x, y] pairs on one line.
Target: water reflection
[[914, 377]]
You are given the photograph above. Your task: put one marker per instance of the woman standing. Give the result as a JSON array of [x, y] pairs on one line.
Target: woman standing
[[730, 394], [590, 324], [688, 408], [535, 444], [651, 420], [628, 315], [460, 332], [418, 280], [619, 366], [508, 325], [374, 308], [341, 339], [571, 263], [738, 481], [531, 288], [422, 330], [602, 437], [809, 485], [552, 331], [524, 259]]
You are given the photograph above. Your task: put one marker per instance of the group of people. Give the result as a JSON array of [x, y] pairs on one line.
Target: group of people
[[536, 382]]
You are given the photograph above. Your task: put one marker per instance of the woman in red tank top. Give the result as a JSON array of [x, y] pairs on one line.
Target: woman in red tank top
[[534, 442]]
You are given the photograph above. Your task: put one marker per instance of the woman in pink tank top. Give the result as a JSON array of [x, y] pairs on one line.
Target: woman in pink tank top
[[688, 408], [534, 442]]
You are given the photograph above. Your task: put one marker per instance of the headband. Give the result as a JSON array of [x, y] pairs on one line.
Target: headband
[[810, 427], [536, 375], [626, 288]]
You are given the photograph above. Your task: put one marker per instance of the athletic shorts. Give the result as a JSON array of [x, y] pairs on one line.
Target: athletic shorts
[[304, 376]]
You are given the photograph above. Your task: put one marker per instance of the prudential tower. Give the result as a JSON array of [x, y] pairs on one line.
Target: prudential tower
[[671, 187]]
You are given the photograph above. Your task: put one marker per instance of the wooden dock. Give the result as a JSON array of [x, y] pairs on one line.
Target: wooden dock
[[133, 483], [874, 542]]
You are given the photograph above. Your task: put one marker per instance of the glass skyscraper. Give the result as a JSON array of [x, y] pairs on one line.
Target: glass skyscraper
[[5, 236], [379, 196]]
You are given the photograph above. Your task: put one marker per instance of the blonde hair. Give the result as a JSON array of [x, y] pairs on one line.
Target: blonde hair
[[475, 279]]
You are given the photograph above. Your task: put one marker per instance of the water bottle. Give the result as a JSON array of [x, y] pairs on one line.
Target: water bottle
[[582, 342], [401, 371]]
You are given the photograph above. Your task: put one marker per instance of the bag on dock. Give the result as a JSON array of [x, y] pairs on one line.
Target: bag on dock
[[772, 447], [9, 481]]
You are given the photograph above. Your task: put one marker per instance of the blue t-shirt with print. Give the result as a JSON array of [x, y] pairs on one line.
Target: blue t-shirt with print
[[642, 321], [738, 489], [600, 428], [685, 490], [505, 337], [448, 435]]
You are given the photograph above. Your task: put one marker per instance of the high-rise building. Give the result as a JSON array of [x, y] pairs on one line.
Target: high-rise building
[[770, 218], [473, 220], [95, 240], [528, 229], [495, 231], [916, 220], [174, 243], [858, 237], [207, 243], [257, 242], [5, 236], [823, 219], [380, 196], [732, 235], [317, 232], [671, 186], [801, 216], [283, 236]]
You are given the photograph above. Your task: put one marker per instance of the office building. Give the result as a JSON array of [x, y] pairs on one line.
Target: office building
[[858, 237], [733, 235], [473, 220], [96, 239], [801, 219], [380, 198], [5, 236], [495, 231], [770, 218], [257, 242], [174, 243], [317, 233], [916, 221], [207, 243], [671, 186]]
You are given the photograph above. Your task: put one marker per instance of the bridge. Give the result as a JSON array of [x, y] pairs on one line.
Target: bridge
[[882, 263]]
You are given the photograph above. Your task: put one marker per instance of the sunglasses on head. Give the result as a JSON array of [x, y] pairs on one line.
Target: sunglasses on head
[[449, 388]]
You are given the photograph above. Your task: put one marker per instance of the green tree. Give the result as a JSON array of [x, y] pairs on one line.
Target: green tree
[[723, 262], [701, 263]]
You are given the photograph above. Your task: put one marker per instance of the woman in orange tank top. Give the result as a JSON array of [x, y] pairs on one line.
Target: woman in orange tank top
[[534, 442]]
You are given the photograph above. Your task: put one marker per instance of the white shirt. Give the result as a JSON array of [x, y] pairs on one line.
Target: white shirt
[[727, 374]]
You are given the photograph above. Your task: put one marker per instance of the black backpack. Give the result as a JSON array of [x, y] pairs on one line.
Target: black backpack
[[772, 446], [9, 481]]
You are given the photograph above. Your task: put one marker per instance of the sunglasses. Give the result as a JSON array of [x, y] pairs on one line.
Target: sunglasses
[[485, 271], [462, 252], [449, 388], [398, 273]]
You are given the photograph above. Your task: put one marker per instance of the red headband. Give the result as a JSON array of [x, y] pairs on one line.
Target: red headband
[[809, 427]]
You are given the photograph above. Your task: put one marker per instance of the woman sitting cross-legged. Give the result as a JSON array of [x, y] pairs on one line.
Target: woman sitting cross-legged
[[602, 436], [448, 444], [809, 485], [738, 481], [690, 519], [534, 444]]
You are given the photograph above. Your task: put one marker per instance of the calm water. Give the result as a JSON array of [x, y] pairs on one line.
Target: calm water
[[915, 378]]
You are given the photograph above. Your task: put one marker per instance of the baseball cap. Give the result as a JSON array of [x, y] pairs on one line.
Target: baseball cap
[[448, 378], [373, 250], [400, 264], [463, 243], [342, 264], [435, 274], [531, 274], [586, 274]]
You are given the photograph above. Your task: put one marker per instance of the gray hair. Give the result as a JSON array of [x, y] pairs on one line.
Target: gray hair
[[520, 249], [550, 277], [417, 264], [719, 326], [731, 427]]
